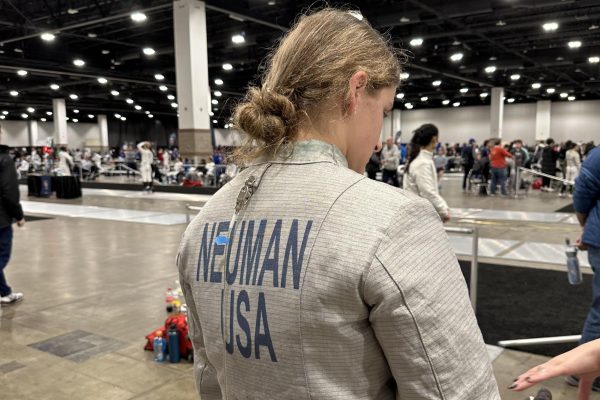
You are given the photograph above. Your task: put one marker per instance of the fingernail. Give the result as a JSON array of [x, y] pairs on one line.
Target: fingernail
[[514, 385]]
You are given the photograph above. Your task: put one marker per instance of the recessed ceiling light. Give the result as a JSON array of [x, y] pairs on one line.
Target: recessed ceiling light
[[146, 112], [536, 85], [171, 97], [464, 90], [238, 39], [227, 67], [49, 113], [90, 116], [416, 42], [30, 110], [594, 60], [218, 82], [424, 98], [271, 3], [404, 76], [550, 90], [75, 120], [47, 36], [560, 59], [5, 112], [14, 93], [76, 111], [102, 81], [17, 50], [114, 92], [73, 96], [43, 119], [118, 116], [550, 26], [72, 11], [490, 69], [92, 35], [66, 118], [22, 72], [456, 57], [593, 27], [400, 96], [571, 98], [150, 116], [456, 104], [2, 116], [212, 114], [511, 100], [149, 51], [574, 44], [500, 23], [215, 121], [484, 95], [408, 106], [218, 94], [436, 83], [174, 105], [515, 77], [138, 107], [24, 116], [162, 88], [54, 86], [564, 95], [215, 101], [159, 77], [123, 119], [79, 62], [129, 101], [105, 51], [445, 102], [138, 16]]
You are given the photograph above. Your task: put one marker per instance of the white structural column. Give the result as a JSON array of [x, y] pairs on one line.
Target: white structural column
[[397, 123], [496, 112], [542, 120], [386, 129], [103, 127], [32, 128], [193, 91], [59, 111]]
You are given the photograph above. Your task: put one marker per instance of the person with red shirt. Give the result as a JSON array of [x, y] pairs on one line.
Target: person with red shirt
[[498, 162]]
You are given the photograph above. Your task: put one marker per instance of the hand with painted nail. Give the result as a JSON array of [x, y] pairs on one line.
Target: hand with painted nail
[[583, 362]]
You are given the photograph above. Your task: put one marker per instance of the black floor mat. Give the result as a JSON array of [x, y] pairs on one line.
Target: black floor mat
[[520, 303], [32, 218], [567, 209]]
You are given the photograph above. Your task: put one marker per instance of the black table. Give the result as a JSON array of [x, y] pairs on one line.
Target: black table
[[66, 187]]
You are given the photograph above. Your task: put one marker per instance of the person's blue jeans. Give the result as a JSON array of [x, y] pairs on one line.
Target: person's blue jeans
[[591, 328], [6, 235], [499, 178]]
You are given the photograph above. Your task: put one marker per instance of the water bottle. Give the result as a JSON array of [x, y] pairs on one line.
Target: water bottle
[[173, 334], [573, 269], [159, 347]]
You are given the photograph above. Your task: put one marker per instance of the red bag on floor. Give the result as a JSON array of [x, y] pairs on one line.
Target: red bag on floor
[[190, 183], [185, 344], [537, 184]]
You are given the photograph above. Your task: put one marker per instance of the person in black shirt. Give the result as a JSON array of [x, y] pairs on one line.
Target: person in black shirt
[[549, 159], [468, 160], [10, 210]]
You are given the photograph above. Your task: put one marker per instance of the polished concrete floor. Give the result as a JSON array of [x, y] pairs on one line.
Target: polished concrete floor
[[94, 288]]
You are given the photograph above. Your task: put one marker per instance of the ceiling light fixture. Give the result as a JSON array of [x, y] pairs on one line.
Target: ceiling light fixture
[[24, 116], [49, 113], [118, 116], [218, 94], [436, 83], [416, 42], [14, 93], [536, 85], [571, 98], [138, 107], [76, 111], [464, 90], [102, 81], [400, 96], [484, 95], [215, 121], [550, 26], [457, 104], [78, 62], [114, 92], [218, 82], [550, 90], [163, 88], [227, 67], [129, 101], [54, 86], [564, 95], [73, 96], [490, 69], [90, 116], [215, 101], [123, 119], [424, 99], [43, 119], [105, 52], [47, 36], [594, 60], [22, 72], [138, 16], [30, 110], [5, 112], [75, 120], [150, 116], [238, 39], [574, 44], [171, 97], [149, 51], [456, 57], [511, 100], [159, 77], [445, 102], [174, 105], [409, 106], [404, 76], [515, 77]]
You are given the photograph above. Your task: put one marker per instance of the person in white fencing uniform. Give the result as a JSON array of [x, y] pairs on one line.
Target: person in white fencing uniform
[[420, 175], [147, 158], [303, 278], [573, 163], [65, 162]]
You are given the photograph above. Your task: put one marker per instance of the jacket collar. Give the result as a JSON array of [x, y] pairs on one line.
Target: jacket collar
[[310, 151], [426, 153]]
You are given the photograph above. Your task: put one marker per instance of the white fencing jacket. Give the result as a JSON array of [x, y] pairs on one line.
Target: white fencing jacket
[[327, 285], [422, 180]]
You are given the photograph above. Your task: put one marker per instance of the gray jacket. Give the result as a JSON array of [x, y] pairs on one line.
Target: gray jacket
[[329, 286]]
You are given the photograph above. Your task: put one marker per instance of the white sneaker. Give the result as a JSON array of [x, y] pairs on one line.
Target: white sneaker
[[550, 189], [11, 298]]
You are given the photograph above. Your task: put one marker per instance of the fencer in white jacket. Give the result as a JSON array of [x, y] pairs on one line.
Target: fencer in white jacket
[[147, 157], [65, 162], [420, 176]]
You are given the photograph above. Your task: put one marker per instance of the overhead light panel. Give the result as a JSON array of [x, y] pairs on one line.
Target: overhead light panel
[[90, 116], [138, 16], [456, 57], [484, 95], [49, 113], [445, 102], [238, 39], [159, 77], [550, 90], [515, 77], [510, 100], [43, 119], [400, 96], [138, 107], [464, 90], [22, 72], [171, 97], [574, 44], [436, 83], [218, 82], [215, 101], [129, 101], [47, 36], [536, 85], [174, 105], [150, 116], [149, 51], [409, 106], [73, 96], [564, 95], [594, 60], [456, 104], [14, 93], [54, 86], [163, 88], [75, 120], [571, 98], [5, 112], [78, 62], [227, 67], [114, 92], [416, 42], [424, 99], [24, 116], [490, 69], [123, 119], [30, 110], [215, 121], [218, 94], [550, 26], [105, 51], [76, 111], [118, 116], [102, 81], [404, 76], [146, 112]]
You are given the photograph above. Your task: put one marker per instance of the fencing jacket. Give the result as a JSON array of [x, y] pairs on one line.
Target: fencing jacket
[[328, 285], [422, 180]]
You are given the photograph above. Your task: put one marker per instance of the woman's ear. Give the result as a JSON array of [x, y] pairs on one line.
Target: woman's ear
[[358, 88]]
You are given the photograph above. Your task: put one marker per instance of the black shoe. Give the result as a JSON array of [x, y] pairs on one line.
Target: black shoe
[[543, 394]]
